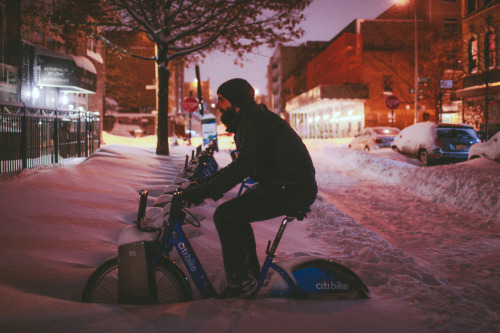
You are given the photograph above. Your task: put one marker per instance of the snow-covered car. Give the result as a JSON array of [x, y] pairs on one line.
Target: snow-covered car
[[434, 143], [127, 130], [489, 149], [371, 138]]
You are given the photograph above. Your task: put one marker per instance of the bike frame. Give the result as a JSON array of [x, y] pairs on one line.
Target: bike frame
[[176, 238]]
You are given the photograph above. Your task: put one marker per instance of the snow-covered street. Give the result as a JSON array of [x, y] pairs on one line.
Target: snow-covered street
[[426, 241], [445, 218]]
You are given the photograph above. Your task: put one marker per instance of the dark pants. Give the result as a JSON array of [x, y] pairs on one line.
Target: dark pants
[[232, 220]]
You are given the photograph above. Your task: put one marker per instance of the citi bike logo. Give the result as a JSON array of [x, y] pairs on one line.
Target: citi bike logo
[[332, 285], [188, 259]]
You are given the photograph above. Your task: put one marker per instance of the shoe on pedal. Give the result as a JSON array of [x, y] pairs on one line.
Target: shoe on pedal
[[246, 289]]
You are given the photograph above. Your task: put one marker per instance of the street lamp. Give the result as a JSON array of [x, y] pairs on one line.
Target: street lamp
[[415, 82]]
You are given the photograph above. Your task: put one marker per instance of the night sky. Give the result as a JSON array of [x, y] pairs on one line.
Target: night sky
[[324, 19]]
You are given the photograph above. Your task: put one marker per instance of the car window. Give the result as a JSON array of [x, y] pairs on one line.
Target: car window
[[386, 131], [457, 133]]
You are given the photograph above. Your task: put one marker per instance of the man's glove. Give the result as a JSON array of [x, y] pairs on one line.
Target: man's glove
[[194, 193]]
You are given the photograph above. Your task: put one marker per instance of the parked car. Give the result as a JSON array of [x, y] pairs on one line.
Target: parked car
[[489, 149], [371, 138], [434, 143]]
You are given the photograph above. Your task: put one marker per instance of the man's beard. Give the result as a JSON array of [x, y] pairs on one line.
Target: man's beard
[[228, 115]]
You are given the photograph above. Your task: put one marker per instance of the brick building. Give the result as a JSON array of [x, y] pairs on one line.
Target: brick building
[[481, 84], [39, 67], [285, 73], [348, 81]]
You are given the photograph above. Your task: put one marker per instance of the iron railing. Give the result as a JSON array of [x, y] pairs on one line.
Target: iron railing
[[31, 137]]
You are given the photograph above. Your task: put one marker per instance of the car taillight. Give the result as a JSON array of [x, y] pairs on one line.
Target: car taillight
[[438, 142], [378, 141]]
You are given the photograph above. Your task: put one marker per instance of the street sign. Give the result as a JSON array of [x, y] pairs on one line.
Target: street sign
[[190, 104], [150, 87], [423, 79], [446, 84], [392, 102], [412, 91]]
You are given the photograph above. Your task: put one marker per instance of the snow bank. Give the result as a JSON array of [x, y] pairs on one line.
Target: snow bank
[[458, 184]]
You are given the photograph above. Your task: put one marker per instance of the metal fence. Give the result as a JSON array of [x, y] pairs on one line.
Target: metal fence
[[32, 137]]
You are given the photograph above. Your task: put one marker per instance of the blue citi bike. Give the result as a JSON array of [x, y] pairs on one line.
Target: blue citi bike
[[143, 273]]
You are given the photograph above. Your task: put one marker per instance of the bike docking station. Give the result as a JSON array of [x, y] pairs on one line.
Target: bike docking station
[[143, 272], [136, 275]]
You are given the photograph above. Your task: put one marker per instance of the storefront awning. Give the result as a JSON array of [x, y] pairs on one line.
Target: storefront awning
[[86, 74], [69, 73]]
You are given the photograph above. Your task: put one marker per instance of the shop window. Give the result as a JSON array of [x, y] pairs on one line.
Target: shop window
[[489, 50], [472, 55], [12, 77]]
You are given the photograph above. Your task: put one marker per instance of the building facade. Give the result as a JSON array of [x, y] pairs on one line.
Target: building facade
[[285, 73], [376, 58], [38, 69], [481, 83]]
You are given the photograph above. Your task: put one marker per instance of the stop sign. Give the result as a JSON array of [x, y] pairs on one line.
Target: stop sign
[[392, 102], [190, 104]]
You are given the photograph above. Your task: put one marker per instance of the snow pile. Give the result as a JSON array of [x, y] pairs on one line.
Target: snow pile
[[458, 184]]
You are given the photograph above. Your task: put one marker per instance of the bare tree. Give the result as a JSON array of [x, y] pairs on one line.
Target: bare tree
[[185, 28], [440, 60]]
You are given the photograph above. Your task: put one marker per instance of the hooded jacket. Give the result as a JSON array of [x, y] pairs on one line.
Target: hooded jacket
[[269, 152]]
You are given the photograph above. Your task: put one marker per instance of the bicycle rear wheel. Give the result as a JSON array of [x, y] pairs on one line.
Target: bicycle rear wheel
[[326, 279], [102, 286]]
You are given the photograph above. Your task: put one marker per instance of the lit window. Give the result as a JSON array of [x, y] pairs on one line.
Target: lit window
[[472, 53]]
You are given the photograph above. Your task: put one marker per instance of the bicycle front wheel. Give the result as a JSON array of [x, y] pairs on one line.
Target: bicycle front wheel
[[102, 286]]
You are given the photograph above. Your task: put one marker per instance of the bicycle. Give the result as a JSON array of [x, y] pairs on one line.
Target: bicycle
[[157, 279]]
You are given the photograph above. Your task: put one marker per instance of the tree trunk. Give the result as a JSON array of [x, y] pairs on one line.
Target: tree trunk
[[163, 83]]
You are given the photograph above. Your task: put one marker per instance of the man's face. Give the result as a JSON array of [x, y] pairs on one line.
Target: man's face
[[223, 104]]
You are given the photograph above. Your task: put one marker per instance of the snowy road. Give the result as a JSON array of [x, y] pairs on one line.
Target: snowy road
[[459, 249]]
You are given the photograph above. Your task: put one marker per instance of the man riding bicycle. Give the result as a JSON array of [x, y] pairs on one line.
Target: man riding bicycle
[[271, 154]]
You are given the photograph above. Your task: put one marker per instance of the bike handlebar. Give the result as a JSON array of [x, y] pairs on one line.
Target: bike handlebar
[[176, 207]]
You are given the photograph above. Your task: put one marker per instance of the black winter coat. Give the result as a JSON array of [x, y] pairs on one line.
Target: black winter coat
[[269, 152]]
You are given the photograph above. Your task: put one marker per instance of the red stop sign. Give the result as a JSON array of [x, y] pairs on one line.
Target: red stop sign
[[190, 104], [392, 102]]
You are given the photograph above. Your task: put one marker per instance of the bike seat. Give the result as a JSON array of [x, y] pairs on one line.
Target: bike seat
[[298, 214]]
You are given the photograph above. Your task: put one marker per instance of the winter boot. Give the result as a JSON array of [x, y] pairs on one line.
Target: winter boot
[[240, 288]]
